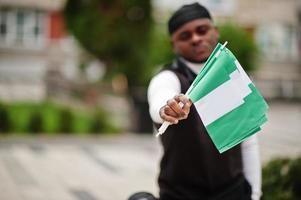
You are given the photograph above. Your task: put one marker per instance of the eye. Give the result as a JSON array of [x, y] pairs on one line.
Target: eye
[[202, 30], [185, 36]]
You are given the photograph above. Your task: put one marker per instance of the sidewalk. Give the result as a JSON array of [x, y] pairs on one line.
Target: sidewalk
[[112, 167], [281, 134]]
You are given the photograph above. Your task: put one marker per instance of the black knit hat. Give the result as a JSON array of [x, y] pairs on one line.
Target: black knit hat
[[186, 14]]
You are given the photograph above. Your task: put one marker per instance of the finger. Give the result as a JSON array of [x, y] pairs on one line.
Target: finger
[[186, 110], [185, 107], [177, 109], [170, 112], [166, 116], [174, 105], [182, 98], [171, 120]]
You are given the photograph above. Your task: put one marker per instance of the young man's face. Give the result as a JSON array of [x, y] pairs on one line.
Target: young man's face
[[195, 40]]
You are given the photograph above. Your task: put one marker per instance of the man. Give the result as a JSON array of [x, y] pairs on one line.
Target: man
[[191, 166]]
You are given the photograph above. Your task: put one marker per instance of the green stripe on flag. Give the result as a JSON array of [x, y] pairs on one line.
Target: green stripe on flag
[[231, 127]]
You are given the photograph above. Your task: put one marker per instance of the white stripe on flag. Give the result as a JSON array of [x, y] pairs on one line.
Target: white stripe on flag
[[241, 83], [223, 99], [244, 75]]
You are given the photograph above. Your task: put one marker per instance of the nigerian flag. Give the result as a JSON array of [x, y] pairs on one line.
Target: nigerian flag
[[230, 106]]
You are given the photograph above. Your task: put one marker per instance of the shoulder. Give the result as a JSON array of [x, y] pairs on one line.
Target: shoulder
[[165, 78], [166, 74]]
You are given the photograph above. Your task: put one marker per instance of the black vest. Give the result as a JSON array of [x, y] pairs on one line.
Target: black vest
[[191, 166]]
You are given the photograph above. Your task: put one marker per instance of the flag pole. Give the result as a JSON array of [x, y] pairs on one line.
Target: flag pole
[[166, 124]]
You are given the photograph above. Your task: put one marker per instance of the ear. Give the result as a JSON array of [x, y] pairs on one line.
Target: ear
[[173, 46]]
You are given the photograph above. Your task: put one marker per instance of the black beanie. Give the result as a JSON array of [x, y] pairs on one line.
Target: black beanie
[[186, 14]]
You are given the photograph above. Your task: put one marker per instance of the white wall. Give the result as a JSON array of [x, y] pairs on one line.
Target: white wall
[[21, 77]]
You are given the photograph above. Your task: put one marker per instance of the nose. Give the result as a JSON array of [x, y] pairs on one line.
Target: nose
[[196, 39]]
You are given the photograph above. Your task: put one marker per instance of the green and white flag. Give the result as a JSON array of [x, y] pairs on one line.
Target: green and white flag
[[230, 106]]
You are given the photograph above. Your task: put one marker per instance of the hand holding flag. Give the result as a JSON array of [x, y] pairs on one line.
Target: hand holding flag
[[230, 106], [175, 109]]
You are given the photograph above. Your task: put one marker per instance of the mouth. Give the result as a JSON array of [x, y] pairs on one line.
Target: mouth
[[200, 53], [200, 48]]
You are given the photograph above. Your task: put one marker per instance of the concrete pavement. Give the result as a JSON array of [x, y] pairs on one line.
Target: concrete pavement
[[104, 168], [113, 167], [281, 135]]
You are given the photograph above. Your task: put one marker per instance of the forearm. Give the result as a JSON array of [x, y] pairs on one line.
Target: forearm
[[252, 165]]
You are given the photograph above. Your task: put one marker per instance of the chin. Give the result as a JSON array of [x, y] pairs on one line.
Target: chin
[[200, 60], [197, 60]]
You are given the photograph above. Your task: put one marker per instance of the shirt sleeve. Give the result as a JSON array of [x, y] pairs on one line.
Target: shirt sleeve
[[252, 165], [162, 87]]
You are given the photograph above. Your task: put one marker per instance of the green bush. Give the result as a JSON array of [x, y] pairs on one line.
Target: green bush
[[160, 49], [35, 124], [241, 43], [282, 179], [100, 123], [51, 118], [294, 178], [5, 124], [66, 121]]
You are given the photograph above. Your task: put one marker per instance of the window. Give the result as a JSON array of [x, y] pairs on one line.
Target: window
[[278, 42], [22, 28], [3, 24]]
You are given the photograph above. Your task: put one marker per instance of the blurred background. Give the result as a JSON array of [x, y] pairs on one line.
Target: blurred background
[[74, 120]]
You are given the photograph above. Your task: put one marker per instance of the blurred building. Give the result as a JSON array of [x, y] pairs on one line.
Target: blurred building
[[37, 57], [276, 26]]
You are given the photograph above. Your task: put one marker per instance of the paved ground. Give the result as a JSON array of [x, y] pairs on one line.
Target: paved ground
[[281, 135], [112, 167]]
